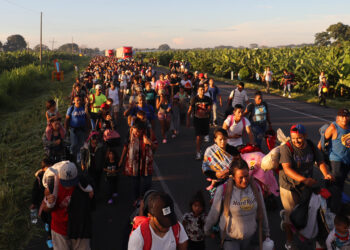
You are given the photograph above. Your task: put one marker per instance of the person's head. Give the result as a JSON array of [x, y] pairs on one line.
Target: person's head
[[341, 223], [343, 117], [112, 85], [200, 91], [98, 89], [298, 135], [206, 75], [67, 174], [77, 101], [285, 72], [206, 86], [258, 97], [220, 137], [240, 86], [161, 77], [201, 76], [240, 173], [46, 163], [238, 112], [324, 79], [182, 89], [56, 123], [322, 73], [147, 85], [197, 204], [111, 155], [211, 82], [161, 211], [50, 105], [267, 68], [153, 79], [77, 86], [94, 140], [138, 127], [141, 100], [109, 102]]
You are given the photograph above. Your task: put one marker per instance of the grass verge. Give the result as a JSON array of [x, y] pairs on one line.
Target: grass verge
[[308, 97], [20, 154]]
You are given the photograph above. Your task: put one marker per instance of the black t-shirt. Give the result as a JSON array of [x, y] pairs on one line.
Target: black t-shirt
[[301, 160], [200, 106], [257, 113]]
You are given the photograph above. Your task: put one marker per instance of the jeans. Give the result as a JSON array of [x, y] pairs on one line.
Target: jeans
[[234, 244], [340, 171], [77, 138], [258, 130], [215, 108], [140, 184], [287, 87], [268, 83]]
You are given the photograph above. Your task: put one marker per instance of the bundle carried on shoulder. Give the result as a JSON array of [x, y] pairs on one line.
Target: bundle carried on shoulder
[[271, 160]]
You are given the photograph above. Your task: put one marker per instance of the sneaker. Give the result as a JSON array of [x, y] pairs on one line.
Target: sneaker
[[49, 244], [110, 201], [115, 195], [206, 138], [164, 141], [290, 246], [198, 156], [289, 96], [284, 95]]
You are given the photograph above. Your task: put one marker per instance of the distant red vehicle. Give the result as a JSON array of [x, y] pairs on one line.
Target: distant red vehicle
[[109, 53], [124, 52]]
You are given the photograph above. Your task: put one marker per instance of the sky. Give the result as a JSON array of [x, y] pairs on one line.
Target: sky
[[109, 24]]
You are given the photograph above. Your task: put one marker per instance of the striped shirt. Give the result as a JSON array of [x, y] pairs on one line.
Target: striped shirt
[[239, 97]]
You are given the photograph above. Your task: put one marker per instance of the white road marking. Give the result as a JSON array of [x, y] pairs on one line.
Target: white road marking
[[166, 189]]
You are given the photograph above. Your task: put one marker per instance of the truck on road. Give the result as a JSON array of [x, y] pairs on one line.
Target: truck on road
[[124, 52]]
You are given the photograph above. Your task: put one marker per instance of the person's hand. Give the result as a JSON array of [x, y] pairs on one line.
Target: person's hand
[[57, 142], [91, 194], [146, 140], [309, 182], [222, 174], [329, 177], [50, 198]]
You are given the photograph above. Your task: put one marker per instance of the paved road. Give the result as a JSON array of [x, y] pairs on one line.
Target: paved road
[[178, 173]]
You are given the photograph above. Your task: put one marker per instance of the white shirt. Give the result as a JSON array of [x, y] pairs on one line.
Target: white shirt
[[239, 97], [167, 242], [123, 80], [114, 94], [235, 128], [268, 76]]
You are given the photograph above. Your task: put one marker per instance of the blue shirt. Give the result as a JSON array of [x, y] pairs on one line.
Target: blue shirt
[[77, 117], [213, 93], [339, 150], [148, 109]]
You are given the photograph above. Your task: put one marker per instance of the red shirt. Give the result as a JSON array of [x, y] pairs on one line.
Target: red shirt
[[59, 215]]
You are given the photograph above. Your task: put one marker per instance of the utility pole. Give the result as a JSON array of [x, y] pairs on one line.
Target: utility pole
[[72, 49], [41, 38], [53, 43]]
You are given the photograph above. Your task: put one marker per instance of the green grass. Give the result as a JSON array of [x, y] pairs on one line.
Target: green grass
[[338, 102], [21, 151]]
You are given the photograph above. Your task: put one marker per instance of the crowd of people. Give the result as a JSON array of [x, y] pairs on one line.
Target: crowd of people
[[87, 146]]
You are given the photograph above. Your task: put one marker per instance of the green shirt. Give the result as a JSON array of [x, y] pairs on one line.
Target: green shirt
[[99, 99]]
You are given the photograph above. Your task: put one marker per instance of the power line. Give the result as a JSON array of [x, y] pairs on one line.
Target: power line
[[20, 6]]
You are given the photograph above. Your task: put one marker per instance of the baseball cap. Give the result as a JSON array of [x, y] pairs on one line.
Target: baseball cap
[[98, 86], [298, 129], [67, 173], [161, 206], [343, 112], [201, 75]]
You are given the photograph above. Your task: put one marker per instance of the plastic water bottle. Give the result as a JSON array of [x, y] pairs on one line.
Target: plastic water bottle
[[34, 215], [268, 244]]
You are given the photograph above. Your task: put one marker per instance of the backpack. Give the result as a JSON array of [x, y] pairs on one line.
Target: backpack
[[143, 222]]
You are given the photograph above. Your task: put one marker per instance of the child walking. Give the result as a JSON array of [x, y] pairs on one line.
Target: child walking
[[194, 221], [339, 237], [111, 169]]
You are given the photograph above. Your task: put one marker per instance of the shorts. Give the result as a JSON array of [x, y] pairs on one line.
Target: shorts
[[289, 201], [115, 108], [164, 116], [201, 126]]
